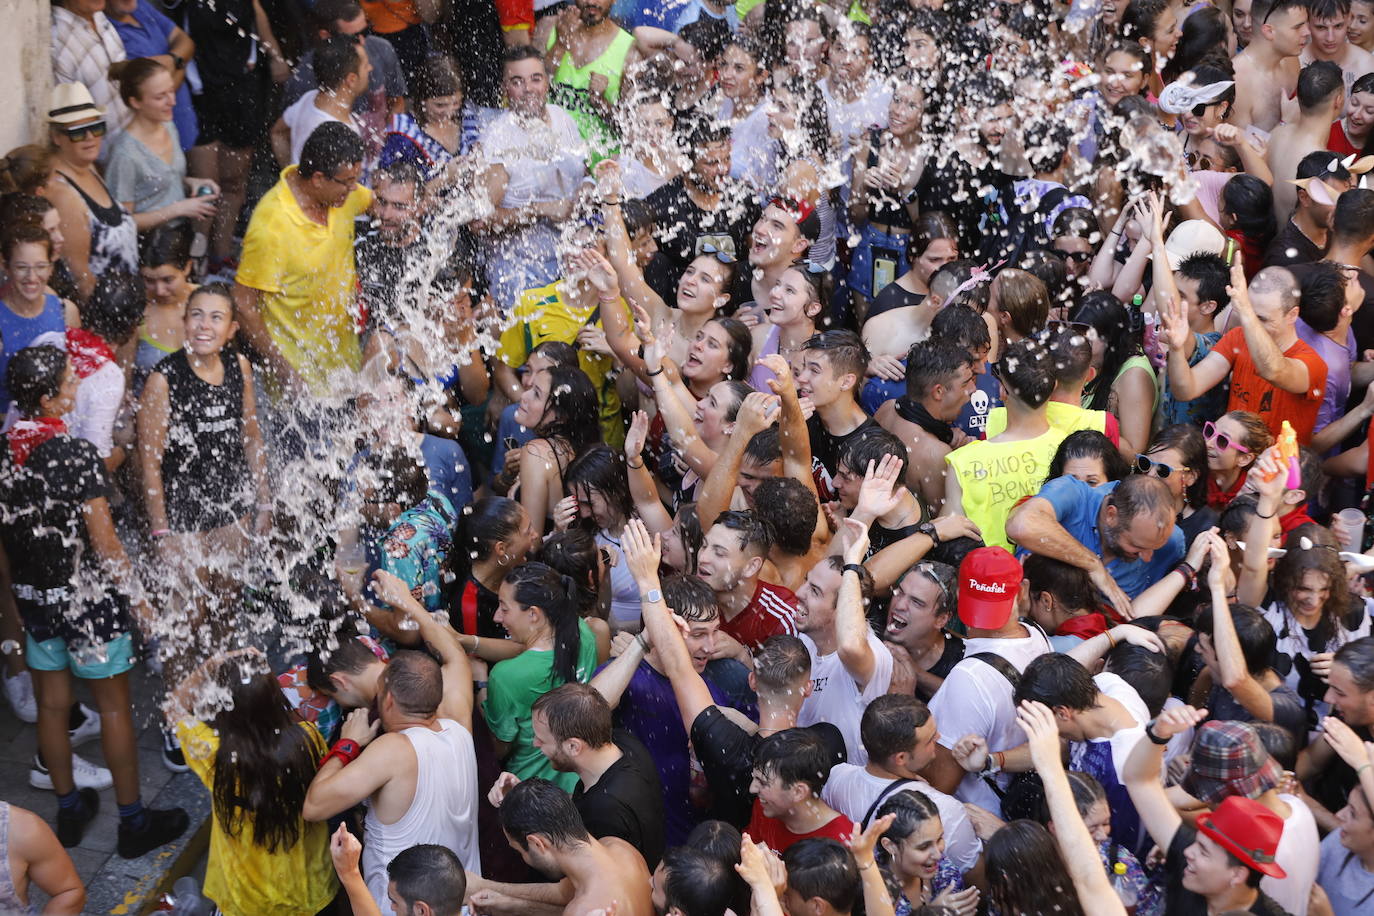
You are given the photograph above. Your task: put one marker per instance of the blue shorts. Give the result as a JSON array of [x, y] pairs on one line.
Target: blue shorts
[[872, 245], [107, 660]]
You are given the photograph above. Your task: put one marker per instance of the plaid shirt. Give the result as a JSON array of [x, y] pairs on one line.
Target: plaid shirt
[[82, 54]]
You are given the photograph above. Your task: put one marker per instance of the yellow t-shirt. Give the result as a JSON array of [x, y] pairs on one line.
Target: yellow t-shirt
[[543, 314], [305, 272], [996, 476], [1067, 418], [244, 879]]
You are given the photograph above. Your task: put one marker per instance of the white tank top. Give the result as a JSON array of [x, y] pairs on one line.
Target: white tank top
[[443, 811]]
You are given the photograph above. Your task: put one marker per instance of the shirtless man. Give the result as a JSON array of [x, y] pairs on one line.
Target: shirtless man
[[542, 824], [1267, 70], [1329, 21], [1320, 99], [426, 754], [939, 381]]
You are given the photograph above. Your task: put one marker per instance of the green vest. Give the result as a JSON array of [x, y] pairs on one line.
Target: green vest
[[571, 91]]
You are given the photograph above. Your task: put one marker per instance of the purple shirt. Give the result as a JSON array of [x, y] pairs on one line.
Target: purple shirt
[[1338, 360], [649, 710]]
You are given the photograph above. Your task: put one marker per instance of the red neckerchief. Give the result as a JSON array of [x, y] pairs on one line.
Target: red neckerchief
[[1218, 498], [1084, 626], [1295, 518], [31, 432], [87, 351]]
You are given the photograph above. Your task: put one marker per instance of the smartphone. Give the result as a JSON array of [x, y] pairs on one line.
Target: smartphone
[[884, 269]]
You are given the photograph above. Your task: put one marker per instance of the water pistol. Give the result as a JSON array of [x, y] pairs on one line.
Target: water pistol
[[1288, 449]]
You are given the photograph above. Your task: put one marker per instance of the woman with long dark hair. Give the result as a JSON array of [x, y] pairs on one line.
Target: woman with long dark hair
[[1247, 215], [443, 124], [257, 759], [166, 271], [1202, 39], [538, 609], [911, 856], [1026, 874], [495, 536], [1178, 456], [599, 499], [1089, 456], [1126, 384], [561, 406]]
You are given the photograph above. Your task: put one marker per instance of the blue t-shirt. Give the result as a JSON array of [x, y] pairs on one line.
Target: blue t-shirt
[[1076, 505], [449, 472], [16, 333], [151, 37], [987, 394], [697, 10]]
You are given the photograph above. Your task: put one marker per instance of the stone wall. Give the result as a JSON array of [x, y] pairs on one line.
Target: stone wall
[[25, 70]]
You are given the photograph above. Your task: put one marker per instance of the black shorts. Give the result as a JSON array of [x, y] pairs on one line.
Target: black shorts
[[233, 112]]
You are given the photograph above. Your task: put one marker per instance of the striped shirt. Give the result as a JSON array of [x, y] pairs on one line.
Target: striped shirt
[[82, 52], [771, 611]]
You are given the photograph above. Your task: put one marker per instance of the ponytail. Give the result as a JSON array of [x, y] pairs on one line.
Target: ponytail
[[539, 585]]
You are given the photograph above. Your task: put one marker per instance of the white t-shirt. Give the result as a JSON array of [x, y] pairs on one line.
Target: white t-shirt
[[836, 698], [1299, 854], [1105, 759], [303, 117], [851, 121], [977, 700], [851, 791], [98, 401]]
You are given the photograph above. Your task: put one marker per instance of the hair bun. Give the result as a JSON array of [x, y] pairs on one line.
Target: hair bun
[[569, 585]]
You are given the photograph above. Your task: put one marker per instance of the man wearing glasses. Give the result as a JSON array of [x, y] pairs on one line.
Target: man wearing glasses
[[295, 285]]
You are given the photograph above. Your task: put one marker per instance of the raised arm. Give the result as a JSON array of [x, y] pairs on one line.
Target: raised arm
[[1142, 777], [851, 626], [676, 413], [643, 489], [793, 435], [1235, 674], [618, 251], [887, 565], [1268, 475], [338, 787], [1076, 845], [756, 413], [457, 671], [613, 679], [1284, 372], [1185, 381], [1035, 526]]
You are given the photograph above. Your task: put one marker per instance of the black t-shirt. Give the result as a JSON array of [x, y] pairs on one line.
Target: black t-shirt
[[627, 801], [476, 611], [1290, 246], [383, 286], [679, 224], [43, 528], [1363, 322], [726, 752], [1183, 902], [825, 450], [1333, 786], [893, 296]]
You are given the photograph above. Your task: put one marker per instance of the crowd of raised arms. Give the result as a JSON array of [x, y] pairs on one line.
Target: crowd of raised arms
[[678, 458]]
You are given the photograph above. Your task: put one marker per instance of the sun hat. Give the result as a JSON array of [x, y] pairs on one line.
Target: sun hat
[[72, 102]]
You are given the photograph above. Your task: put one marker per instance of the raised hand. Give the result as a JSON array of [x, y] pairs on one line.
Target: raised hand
[[971, 752], [1346, 743], [565, 513], [1176, 721], [1173, 320], [393, 592], [501, 788], [357, 727], [757, 412], [642, 552], [857, 547], [863, 844], [879, 494], [345, 849], [775, 364], [1042, 735], [637, 435], [598, 271], [1238, 290], [1220, 558]]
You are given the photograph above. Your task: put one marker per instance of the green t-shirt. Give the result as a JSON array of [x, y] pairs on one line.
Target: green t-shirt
[[511, 691]]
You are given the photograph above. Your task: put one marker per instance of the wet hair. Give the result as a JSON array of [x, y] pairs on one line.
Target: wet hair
[[1235, 518], [844, 351], [1071, 352], [1353, 217], [1327, 9], [688, 525], [572, 412], [216, 288], [889, 724], [134, 73], [601, 469], [114, 309], [1069, 585], [576, 710], [697, 883], [1024, 370], [1322, 297], [912, 809], [813, 120], [783, 662], [1049, 267], [1056, 679], [1047, 142], [765, 447], [539, 585], [819, 867], [558, 353], [931, 362], [1281, 744], [1150, 673], [336, 58], [1253, 632], [755, 535], [1112, 322], [792, 756], [265, 761], [790, 510], [961, 325], [402, 171], [1318, 83], [26, 169], [1139, 495], [1251, 204], [946, 578], [1077, 223], [1187, 440], [1212, 276], [437, 79], [930, 226], [1203, 38], [1024, 298], [720, 842], [414, 681], [1025, 872], [400, 476], [351, 656], [1358, 656], [690, 598], [1141, 18], [25, 233], [1137, 50], [738, 343], [487, 522], [432, 874], [871, 446], [574, 554], [330, 147], [1088, 443], [950, 277], [537, 806], [168, 244], [1322, 557]]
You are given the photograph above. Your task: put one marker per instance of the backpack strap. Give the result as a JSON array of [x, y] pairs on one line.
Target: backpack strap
[[1000, 665], [887, 790]]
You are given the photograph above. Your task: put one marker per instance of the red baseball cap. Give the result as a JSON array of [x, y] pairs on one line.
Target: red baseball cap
[[989, 579], [1247, 830]]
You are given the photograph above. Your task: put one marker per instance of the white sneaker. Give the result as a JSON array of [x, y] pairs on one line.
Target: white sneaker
[[85, 774], [88, 729], [19, 692]]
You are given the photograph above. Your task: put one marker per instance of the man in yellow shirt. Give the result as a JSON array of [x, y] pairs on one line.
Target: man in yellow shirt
[[296, 283]]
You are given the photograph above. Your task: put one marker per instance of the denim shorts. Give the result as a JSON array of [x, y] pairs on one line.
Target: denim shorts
[[874, 244], [90, 663]]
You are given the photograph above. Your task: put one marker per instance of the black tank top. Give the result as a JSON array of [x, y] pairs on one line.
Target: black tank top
[[205, 475]]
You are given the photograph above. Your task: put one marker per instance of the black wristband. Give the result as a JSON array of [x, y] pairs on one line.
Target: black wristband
[[1154, 739], [652, 374], [854, 568]]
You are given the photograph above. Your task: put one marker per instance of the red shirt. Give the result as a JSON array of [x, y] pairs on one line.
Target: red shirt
[[1272, 404], [1338, 142], [771, 611], [776, 837]]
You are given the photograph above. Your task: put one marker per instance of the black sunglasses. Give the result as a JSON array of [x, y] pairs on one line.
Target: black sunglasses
[[76, 134], [1144, 465], [1078, 257]]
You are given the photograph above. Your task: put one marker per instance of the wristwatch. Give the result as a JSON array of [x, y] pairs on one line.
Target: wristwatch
[[928, 529], [178, 62], [652, 596], [11, 647]]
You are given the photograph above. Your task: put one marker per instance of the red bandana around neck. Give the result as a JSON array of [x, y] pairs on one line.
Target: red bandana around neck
[[31, 432], [87, 351]]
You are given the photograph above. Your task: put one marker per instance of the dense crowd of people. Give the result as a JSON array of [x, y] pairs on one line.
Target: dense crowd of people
[[678, 457]]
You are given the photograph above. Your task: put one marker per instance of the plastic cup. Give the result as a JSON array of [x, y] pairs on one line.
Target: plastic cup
[[1351, 529]]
